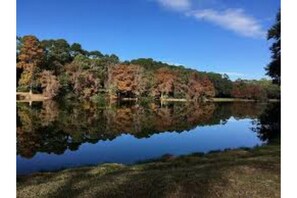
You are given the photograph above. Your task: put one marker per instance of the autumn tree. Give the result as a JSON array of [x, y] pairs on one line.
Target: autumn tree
[[248, 90], [30, 58], [199, 87], [126, 80], [194, 87], [49, 83], [221, 83], [87, 84], [166, 79], [208, 90], [84, 82], [238, 90]]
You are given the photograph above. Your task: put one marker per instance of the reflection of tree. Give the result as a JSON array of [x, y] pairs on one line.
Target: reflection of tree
[[239, 110], [27, 143], [54, 128], [49, 112], [268, 124], [248, 110], [122, 119], [27, 140]]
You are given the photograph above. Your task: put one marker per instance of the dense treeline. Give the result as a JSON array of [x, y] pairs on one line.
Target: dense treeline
[[58, 69]]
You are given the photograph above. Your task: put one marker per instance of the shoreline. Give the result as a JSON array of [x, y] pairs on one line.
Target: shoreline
[[40, 97], [30, 97], [240, 100]]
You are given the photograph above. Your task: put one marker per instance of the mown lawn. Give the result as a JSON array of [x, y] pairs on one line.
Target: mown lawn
[[235, 173]]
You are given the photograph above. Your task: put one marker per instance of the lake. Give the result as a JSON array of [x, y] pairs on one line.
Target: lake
[[53, 136]]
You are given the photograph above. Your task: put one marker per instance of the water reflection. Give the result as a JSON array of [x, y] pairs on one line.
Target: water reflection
[[267, 126], [54, 128]]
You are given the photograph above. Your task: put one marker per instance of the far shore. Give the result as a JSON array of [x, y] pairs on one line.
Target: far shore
[[32, 97], [210, 100], [238, 100]]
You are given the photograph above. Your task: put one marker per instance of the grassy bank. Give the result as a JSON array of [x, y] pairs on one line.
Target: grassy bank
[[234, 173]]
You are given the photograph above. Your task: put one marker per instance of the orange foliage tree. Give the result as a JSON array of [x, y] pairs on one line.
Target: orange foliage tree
[[30, 57], [199, 87], [126, 80], [166, 80]]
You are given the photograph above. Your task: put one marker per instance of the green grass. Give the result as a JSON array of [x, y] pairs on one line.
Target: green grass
[[232, 173]]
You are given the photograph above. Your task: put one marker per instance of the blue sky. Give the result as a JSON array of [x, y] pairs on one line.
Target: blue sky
[[225, 36]]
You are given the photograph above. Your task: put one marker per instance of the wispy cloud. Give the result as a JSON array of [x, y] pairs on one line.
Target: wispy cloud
[[232, 19], [235, 19], [177, 5]]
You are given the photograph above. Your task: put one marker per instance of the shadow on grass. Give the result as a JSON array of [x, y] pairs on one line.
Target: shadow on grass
[[235, 173]]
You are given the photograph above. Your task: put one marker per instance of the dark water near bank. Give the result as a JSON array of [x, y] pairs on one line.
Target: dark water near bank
[[53, 136]]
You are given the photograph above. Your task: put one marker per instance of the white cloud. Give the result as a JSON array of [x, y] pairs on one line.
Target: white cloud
[[232, 19], [178, 5]]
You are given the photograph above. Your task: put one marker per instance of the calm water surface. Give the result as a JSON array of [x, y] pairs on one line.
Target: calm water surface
[[53, 136]]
